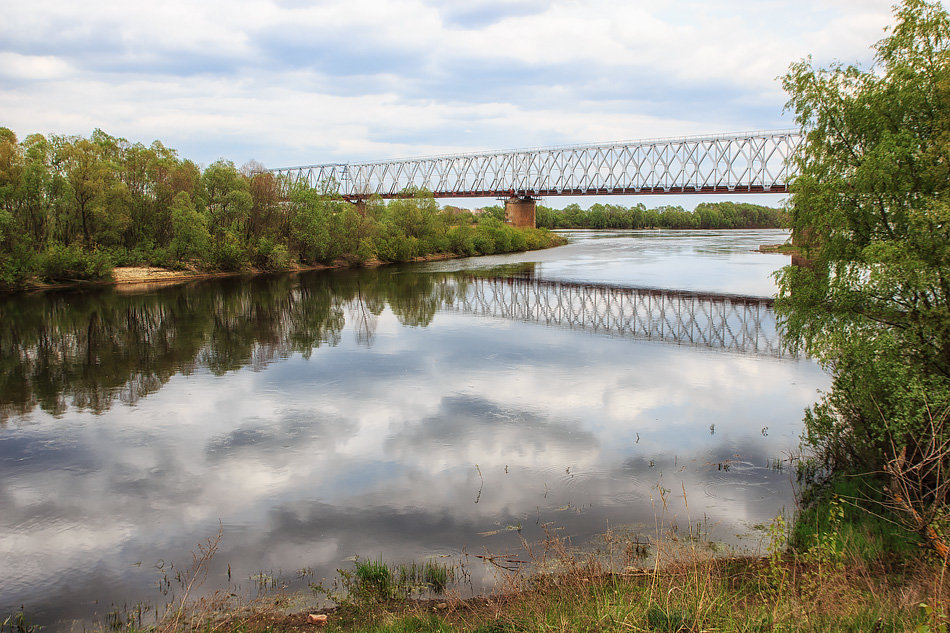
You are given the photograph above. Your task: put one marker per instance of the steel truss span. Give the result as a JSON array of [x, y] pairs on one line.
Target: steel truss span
[[752, 162], [732, 323]]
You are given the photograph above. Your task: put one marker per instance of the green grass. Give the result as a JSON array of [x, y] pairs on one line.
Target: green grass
[[428, 575], [839, 579], [373, 581], [865, 532], [374, 578]]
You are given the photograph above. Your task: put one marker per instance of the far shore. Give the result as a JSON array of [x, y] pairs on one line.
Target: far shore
[[136, 278]]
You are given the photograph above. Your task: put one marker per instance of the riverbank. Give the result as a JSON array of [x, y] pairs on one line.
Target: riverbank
[[135, 278], [680, 586], [725, 595], [142, 277]]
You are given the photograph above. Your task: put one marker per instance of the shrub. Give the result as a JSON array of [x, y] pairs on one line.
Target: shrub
[[228, 253], [393, 246], [460, 240], [271, 256], [69, 263]]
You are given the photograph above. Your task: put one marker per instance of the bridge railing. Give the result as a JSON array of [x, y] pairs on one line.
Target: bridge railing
[[751, 162]]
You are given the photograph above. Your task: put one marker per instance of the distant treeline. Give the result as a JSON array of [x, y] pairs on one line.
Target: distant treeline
[[72, 208], [707, 215]]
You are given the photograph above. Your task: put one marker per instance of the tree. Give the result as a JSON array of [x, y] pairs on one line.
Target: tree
[[226, 197], [87, 175], [871, 210], [191, 237], [313, 225]]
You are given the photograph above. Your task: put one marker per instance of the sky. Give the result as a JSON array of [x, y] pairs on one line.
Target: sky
[[291, 82]]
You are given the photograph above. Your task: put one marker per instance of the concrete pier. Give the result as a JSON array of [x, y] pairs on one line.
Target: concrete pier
[[520, 211]]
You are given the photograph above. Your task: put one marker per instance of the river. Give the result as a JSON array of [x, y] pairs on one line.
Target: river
[[623, 381]]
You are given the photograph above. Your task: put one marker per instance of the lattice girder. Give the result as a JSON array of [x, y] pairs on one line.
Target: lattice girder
[[740, 324], [755, 162]]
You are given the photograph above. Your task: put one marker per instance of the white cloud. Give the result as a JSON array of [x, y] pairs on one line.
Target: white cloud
[[289, 82], [32, 67]]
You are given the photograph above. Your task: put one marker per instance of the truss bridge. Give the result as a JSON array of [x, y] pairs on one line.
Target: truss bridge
[[732, 323], [751, 162]]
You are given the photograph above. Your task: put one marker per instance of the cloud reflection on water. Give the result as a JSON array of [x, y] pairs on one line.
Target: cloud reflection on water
[[324, 452]]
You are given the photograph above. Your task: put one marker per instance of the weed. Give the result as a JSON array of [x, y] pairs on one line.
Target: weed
[[374, 581], [428, 575], [777, 572], [374, 578], [668, 620], [17, 623], [863, 532], [495, 627]]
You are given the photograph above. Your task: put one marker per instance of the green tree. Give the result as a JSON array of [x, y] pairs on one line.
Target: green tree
[[871, 208], [266, 216], [228, 203], [36, 191], [226, 197], [87, 176], [314, 221], [190, 229]]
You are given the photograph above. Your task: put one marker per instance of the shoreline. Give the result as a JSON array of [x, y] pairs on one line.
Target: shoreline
[[692, 589], [132, 278]]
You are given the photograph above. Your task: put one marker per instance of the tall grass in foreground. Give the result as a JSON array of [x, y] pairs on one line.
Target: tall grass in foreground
[[832, 581], [687, 587]]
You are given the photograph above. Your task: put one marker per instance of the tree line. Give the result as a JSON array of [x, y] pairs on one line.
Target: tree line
[[706, 215], [72, 208]]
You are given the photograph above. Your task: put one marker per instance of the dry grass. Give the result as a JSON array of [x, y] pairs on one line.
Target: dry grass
[[685, 587], [621, 583]]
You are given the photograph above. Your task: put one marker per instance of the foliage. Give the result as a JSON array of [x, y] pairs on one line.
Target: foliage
[[190, 237], [707, 215], [72, 207], [71, 263], [271, 256], [871, 209]]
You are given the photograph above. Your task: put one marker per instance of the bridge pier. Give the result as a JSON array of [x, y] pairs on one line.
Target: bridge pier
[[520, 211]]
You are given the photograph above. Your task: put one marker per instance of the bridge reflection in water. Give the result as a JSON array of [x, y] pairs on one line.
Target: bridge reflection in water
[[54, 344], [734, 323]]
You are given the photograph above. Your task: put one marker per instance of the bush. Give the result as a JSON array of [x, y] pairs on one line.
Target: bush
[[71, 263], [17, 267], [228, 253], [461, 240], [393, 246], [271, 256], [870, 209]]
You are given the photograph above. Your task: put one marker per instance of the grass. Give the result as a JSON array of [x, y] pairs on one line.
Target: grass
[[835, 580], [375, 581], [863, 530], [17, 623], [726, 596]]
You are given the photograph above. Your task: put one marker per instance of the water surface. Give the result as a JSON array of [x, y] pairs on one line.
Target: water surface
[[406, 412]]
